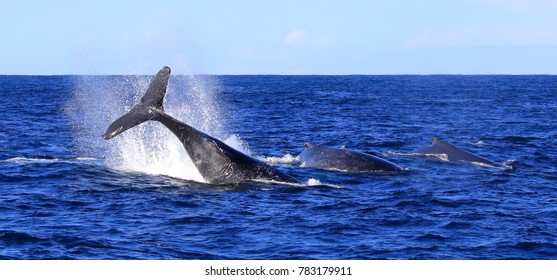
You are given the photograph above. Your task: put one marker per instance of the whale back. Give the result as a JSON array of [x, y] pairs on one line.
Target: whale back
[[322, 157], [453, 153]]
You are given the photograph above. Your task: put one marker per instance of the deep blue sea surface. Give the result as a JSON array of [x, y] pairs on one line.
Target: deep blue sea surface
[[66, 193]]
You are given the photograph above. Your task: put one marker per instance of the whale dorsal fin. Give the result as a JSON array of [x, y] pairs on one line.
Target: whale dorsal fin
[[439, 146], [435, 141]]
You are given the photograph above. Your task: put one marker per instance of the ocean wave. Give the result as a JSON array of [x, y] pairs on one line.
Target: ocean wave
[[66, 197], [26, 160], [17, 237]]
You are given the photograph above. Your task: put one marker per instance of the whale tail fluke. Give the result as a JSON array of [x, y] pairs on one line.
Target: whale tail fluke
[[147, 109]]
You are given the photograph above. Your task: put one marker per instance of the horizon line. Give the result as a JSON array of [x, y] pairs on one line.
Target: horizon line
[[247, 74]]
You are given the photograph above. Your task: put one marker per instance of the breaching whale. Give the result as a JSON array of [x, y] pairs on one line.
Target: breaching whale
[[453, 153], [322, 157], [217, 162]]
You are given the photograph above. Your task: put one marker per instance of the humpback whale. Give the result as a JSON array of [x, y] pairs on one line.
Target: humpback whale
[[217, 162], [322, 157], [453, 153]]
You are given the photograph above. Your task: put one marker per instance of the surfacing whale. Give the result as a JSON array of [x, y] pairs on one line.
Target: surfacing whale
[[322, 157], [217, 162], [453, 153]]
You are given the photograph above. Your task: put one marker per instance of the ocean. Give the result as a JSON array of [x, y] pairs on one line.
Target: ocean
[[66, 193]]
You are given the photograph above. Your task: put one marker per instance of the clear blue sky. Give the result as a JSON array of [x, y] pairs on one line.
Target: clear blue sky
[[279, 37]]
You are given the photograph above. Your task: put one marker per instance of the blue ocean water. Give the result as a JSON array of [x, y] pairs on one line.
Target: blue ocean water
[[65, 193]]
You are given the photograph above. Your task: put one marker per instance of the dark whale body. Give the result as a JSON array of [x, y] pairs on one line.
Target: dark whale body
[[453, 153], [322, 157], [217, 162]]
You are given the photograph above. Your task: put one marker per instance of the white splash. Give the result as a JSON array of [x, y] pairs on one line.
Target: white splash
[[150, 147], [23, 160], [442, 157], [26, 160], [479, 143], [313, 182], [235, 142], [286, 159]]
